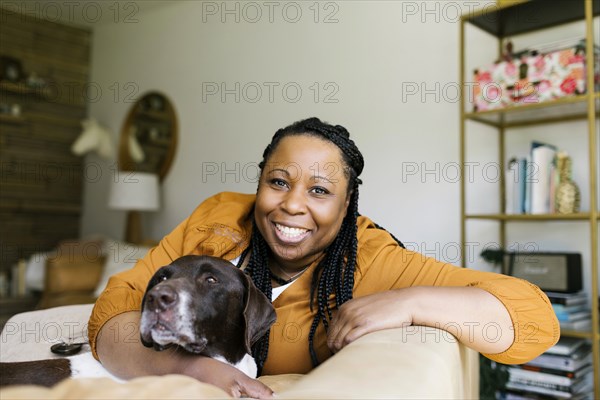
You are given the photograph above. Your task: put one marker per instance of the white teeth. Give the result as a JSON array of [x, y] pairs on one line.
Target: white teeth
[[290, 232]]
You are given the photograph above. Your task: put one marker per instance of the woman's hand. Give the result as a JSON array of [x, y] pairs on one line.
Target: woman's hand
[[226, 377], [367, 314]]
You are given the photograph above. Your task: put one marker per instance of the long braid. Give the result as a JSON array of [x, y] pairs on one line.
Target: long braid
[[262, 280], [334, 275]]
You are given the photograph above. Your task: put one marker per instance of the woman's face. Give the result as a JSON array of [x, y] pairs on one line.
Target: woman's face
[[302, 199]]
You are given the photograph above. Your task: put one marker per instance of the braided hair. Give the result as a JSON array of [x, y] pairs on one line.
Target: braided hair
[[334, 275]]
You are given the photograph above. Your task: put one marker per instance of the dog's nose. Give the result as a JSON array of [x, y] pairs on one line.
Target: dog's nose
[[161, 298]]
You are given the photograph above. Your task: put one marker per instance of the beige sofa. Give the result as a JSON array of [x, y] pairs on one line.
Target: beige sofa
[[411, 363]]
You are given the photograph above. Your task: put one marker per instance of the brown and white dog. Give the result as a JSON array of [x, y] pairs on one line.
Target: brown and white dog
[[208, 307], [203, 304]]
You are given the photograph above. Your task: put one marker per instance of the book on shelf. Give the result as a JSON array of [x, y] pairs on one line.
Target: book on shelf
[[562, 309], [581, 392], [574, 316], [513, 194], [18, 287], [579, 325], [581, 372], [540, 387], [516, 185], [528, 177], [566, 299], [565, 346], [571, 363], [518, 394], [546, 379], [542, 160]]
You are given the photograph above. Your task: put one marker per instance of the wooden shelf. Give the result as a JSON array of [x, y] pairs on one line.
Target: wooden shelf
[[531, 217], [21, 88], [560, 110], [154, 115], [578, 334], [11, 119], [38, 207], [527, 16]]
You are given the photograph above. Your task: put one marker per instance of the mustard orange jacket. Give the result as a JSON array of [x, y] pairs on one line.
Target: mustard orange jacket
[[221, 227]]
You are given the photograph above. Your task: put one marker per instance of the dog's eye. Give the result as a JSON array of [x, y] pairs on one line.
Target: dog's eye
[[163, 278], [211, 279]]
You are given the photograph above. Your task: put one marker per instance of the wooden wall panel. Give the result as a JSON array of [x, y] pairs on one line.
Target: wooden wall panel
[[40, 179]]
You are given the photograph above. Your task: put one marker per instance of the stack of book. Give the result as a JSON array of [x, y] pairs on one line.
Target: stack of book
[[565, 371], [571, 310]]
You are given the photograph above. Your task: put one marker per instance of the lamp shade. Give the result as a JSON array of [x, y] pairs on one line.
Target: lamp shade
[[134, 191]]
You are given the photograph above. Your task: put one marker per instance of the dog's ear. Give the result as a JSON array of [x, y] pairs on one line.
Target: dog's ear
[[259, 314]]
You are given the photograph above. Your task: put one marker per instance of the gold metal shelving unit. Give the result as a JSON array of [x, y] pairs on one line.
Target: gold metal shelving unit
[[502, 21]]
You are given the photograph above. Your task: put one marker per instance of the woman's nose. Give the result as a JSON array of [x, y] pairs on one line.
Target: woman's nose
[[294, 202]]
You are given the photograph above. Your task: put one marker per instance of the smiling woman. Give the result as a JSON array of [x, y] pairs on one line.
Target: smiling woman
[[331, 273]]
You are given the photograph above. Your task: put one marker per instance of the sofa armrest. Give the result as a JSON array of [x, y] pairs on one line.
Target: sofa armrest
[[412, 363]]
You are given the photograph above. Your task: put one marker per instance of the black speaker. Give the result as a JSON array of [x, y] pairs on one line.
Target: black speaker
[[553, 272]]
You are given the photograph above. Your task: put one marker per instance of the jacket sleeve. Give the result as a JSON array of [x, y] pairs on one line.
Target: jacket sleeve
[[384, 265], [124, 291]]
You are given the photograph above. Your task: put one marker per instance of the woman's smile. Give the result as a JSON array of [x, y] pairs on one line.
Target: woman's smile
[[289, 234]]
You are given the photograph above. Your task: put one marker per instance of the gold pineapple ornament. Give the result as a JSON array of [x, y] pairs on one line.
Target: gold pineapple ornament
[[567, 199]]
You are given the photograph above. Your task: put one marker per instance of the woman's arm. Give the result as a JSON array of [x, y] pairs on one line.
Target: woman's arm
[[509, 320], [121, 352], [475, 317]]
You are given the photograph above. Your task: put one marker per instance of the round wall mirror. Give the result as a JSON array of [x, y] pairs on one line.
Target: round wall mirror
[[149, 136]]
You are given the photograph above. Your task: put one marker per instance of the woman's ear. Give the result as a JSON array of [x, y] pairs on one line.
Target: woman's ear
[[348, 197]]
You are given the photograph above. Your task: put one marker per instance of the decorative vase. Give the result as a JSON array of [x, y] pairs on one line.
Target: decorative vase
[[567, 198]]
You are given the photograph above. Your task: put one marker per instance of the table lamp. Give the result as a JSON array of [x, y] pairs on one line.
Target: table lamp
[[134, 192]]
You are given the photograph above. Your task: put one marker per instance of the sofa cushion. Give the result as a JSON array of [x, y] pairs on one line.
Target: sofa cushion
[[120, 256], [72, 273]]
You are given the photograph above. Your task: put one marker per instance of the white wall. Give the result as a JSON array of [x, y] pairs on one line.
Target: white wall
[[371, 55]]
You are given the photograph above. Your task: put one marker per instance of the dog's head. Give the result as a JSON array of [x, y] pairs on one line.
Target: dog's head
[[205, 305]]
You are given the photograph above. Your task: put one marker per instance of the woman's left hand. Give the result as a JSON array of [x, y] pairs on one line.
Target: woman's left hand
[[367, 314]]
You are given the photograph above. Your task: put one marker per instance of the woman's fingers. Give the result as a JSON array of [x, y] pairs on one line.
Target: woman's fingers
[[364, 315], [337, 333], [344, 337], [253, 388]]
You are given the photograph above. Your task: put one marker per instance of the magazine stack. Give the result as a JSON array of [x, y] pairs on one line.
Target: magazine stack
[[565, 371], [571, 310]]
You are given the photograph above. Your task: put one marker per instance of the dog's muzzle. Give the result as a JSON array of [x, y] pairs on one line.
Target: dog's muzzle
[[167, 320]]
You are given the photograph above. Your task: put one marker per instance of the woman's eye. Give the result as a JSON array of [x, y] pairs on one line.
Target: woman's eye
[[320, 190], [278, 182]]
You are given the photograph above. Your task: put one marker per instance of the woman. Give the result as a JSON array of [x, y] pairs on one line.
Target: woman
[[332, 274]]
